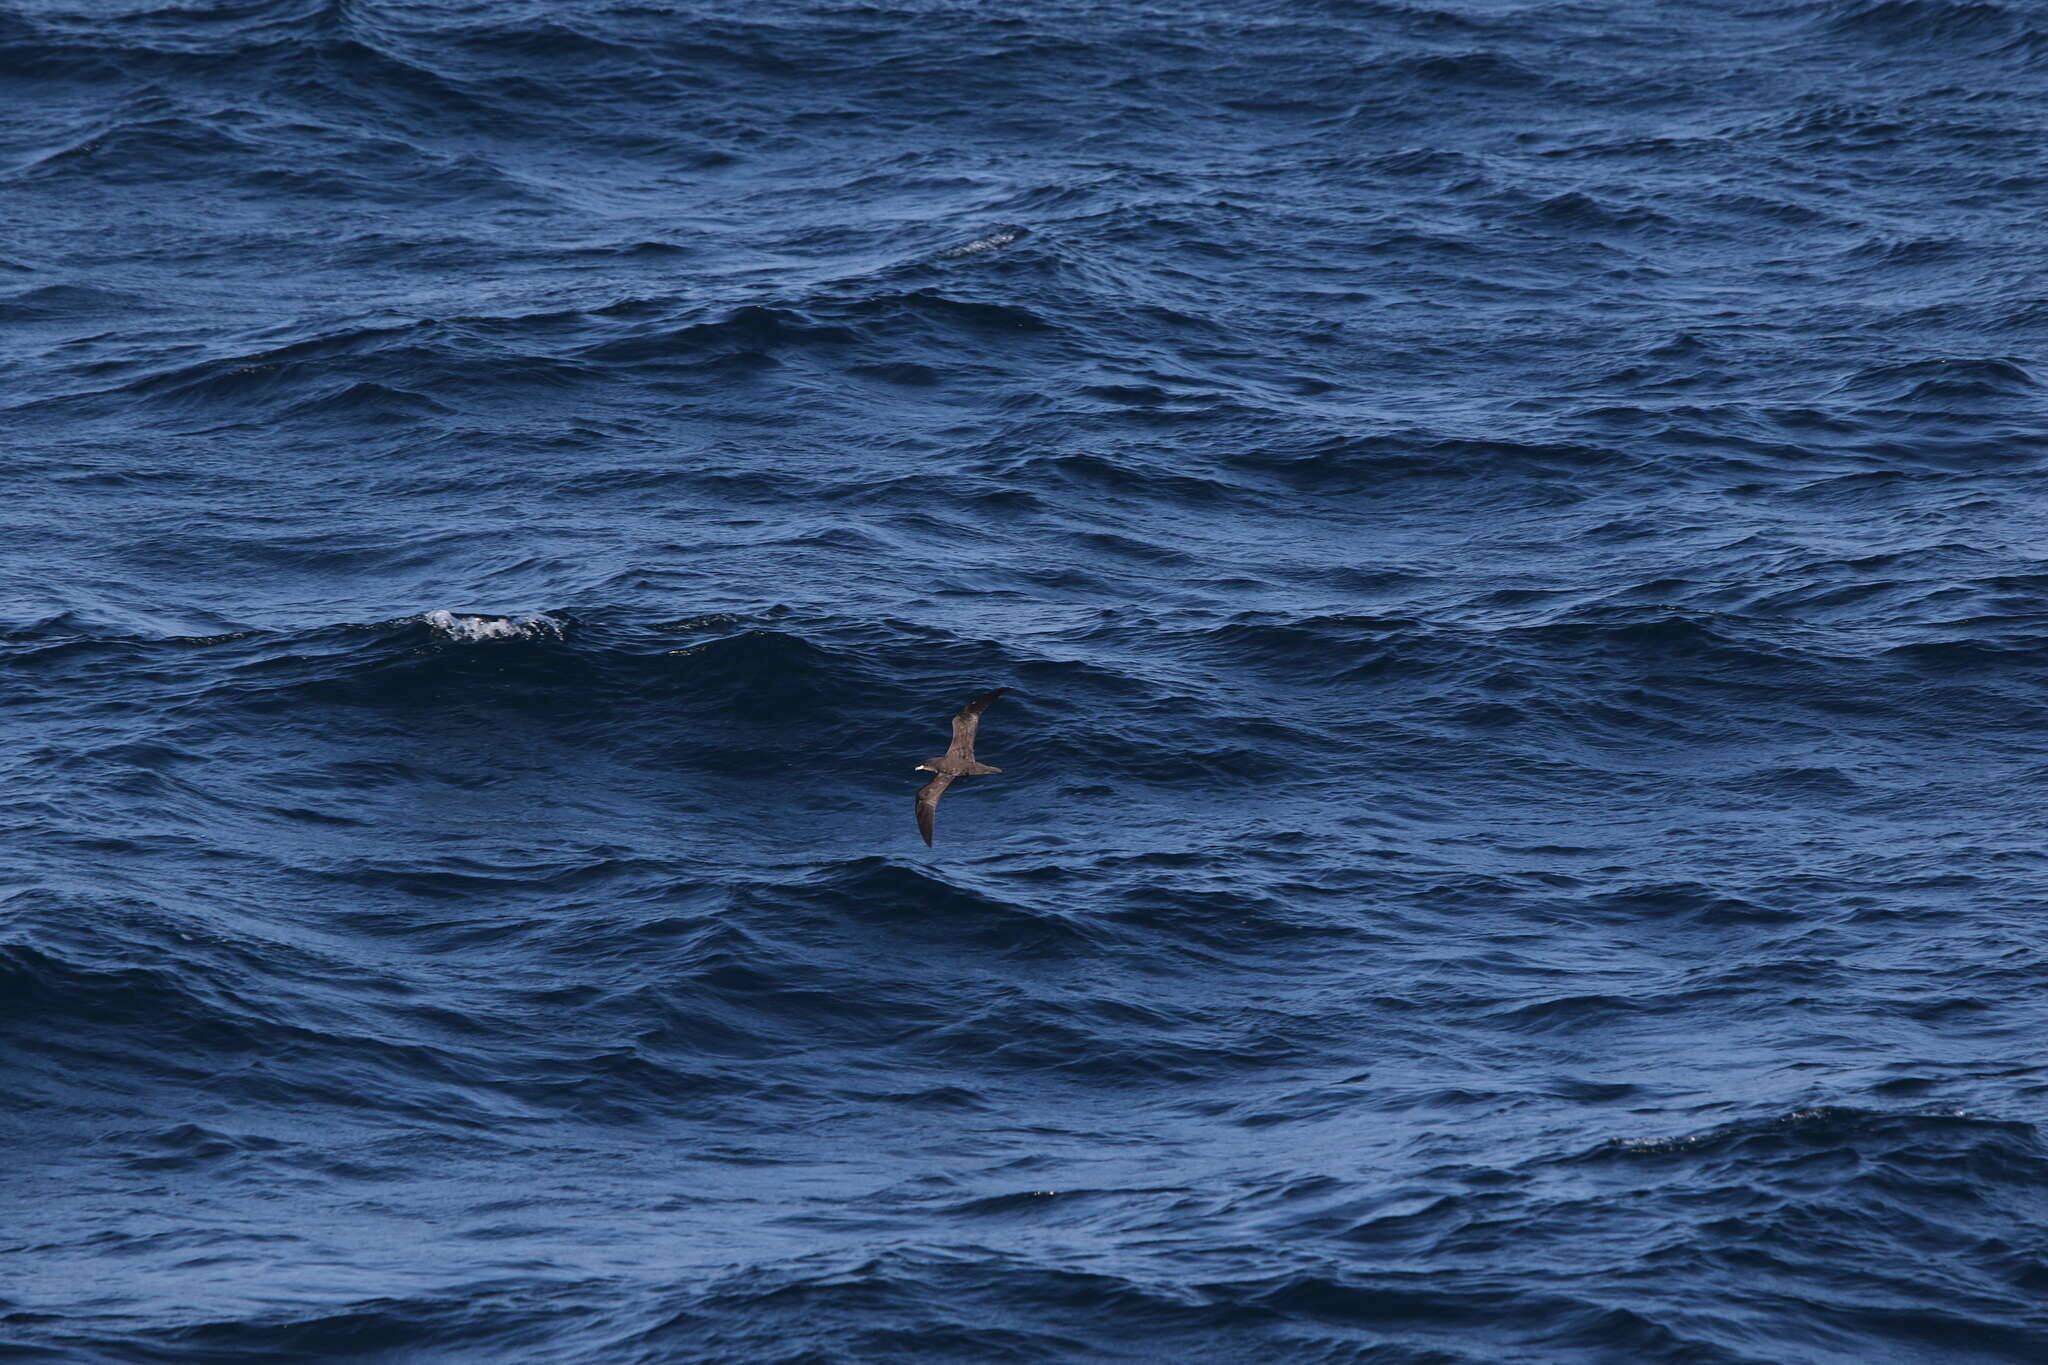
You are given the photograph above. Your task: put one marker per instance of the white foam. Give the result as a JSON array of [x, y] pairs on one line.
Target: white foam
[[1002, 237], [493, 627]]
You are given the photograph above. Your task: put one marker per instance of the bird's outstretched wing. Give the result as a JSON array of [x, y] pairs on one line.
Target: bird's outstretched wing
[[967, 722], [928, 804]]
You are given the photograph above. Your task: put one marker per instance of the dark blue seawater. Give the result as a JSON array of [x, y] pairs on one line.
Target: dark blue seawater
[[1517, 533]]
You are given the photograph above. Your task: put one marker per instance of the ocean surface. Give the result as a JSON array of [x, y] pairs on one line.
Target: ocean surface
[[1518, 539]]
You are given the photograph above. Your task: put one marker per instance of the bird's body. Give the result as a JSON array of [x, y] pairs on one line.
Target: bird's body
[[957, 762]]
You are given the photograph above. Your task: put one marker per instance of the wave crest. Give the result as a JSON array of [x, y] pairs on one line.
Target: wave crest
[[535, 625]]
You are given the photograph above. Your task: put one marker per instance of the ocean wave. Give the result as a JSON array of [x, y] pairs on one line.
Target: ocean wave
[[532, 626], [1920, 20], [1513, 556], [992, 241], [1940, 382]]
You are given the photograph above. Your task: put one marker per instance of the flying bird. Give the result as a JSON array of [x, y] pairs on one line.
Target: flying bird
[[957, 761]]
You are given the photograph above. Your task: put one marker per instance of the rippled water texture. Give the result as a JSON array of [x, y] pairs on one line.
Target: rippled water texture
[[1514, 532]]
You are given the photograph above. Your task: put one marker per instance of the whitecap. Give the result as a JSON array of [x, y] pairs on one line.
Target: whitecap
[[494, 627], [1001, 237]]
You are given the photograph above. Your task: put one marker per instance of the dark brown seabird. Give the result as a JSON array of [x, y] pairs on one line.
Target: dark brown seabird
[[957, 761]]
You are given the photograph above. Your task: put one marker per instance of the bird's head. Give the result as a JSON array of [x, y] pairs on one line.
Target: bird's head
[[926, 766]]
